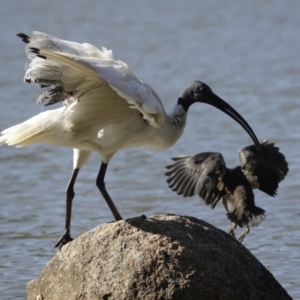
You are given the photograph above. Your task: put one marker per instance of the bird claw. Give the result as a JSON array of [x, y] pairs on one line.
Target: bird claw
[[243, 234], [231, 229], [232, 234], [65, 239], [241, 238]]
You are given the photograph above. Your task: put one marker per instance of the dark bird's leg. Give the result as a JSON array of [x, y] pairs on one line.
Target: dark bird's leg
[[243, 234], [231, 229], [66, 238], [101, 186]]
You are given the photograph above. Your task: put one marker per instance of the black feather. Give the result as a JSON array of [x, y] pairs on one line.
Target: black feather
[[42, 56], [25, 38], [34, 50]]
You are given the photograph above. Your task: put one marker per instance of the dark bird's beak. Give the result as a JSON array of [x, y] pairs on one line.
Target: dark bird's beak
[[217, 102]]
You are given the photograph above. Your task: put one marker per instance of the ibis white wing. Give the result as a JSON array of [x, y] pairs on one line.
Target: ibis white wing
[[81, 68]]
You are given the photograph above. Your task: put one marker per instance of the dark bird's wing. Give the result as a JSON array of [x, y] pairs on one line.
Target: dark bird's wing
[[239, 200], [264, 171], [201, 174]]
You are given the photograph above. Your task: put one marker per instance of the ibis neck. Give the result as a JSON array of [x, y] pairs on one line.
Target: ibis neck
[[177, 117], [185, 102], [167, 134]]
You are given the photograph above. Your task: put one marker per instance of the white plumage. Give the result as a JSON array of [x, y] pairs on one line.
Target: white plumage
[[105, 92], [106, 108]]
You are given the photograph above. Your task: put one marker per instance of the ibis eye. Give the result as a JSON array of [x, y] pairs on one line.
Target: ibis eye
[[198, 92], [201, 89]]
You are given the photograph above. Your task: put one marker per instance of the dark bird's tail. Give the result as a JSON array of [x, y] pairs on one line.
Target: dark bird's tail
[[251, 216]]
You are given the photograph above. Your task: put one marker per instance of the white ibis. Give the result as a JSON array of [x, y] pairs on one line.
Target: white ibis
[[205, 174], [106, 108]]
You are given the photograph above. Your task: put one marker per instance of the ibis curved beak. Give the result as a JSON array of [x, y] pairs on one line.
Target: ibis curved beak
[[217, 102]]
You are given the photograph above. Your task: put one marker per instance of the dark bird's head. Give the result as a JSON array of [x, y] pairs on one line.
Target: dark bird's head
[[198, 91]]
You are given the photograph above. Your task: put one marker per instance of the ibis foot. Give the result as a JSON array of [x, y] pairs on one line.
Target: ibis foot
[[113, 221], [65, 239]]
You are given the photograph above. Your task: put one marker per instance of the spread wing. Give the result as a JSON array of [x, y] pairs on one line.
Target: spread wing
[[264, 171], [201, 174], [78, 71]]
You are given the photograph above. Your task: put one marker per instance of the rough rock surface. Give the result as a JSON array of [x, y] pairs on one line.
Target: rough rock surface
[[162, 257]]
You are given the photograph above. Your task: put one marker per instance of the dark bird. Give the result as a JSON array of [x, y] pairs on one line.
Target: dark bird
[[205, 174], [106, 108]]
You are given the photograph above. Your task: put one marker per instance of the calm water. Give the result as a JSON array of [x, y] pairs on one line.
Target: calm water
[[247, 52]]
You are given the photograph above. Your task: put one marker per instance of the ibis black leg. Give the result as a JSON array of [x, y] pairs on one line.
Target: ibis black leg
[[101, 186], [66, 238]]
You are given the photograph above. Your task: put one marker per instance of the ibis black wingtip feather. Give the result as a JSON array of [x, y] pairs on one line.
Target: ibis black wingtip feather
[[34, 50], [41, 56], [25, 38], [37, 52]]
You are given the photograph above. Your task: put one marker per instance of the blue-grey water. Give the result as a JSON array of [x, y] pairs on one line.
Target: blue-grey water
[[248, 52]]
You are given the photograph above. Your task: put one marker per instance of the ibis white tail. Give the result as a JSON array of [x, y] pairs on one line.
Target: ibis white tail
[[38, 129]]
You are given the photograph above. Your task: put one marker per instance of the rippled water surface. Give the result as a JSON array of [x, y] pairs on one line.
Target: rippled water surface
[[248, 52]]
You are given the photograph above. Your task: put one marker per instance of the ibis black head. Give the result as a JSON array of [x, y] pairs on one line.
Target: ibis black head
[[198, 91]]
